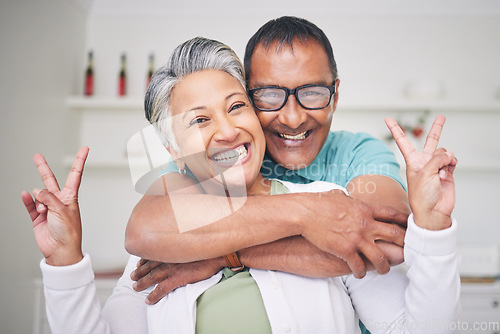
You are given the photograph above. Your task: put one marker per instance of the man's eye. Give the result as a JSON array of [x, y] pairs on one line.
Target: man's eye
[[311, 93], [269, 95]]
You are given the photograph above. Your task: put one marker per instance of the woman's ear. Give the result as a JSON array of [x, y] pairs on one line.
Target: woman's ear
[[176, 156]]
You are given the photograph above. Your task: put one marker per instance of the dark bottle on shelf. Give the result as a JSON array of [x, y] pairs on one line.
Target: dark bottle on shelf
[[151, 69], [89, 76], [122, 80]]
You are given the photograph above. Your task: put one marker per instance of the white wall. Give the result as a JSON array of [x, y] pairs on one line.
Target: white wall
[[41, 48]]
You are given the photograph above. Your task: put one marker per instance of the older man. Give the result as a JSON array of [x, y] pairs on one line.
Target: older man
[[288, 61]]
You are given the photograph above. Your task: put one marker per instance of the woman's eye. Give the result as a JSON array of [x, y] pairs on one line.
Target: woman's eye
[[198, 121], [236, 106]]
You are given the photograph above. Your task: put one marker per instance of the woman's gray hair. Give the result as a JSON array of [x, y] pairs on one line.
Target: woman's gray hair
[[194, 55]]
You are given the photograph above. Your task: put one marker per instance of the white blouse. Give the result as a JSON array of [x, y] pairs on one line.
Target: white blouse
[[424, 298]]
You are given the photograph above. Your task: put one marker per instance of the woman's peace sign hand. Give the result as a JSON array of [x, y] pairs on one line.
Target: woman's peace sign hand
[[431, 187], [55, 213]]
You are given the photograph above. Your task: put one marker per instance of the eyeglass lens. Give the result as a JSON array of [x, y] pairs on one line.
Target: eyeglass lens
[[311, 97]]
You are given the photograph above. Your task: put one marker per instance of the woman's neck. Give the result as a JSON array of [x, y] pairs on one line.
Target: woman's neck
[[260, 186]]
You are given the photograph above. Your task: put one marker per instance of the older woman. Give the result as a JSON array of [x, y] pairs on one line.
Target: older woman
[[199, 103]]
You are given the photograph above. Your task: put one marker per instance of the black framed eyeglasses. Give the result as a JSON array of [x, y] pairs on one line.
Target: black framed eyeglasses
[[273, 98]]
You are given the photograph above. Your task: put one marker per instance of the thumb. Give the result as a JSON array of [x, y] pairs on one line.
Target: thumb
[[438, 161], [48, 199]]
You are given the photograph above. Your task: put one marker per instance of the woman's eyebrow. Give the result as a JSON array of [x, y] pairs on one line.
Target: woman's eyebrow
[[204, 107], [235, 93], [191, 111]]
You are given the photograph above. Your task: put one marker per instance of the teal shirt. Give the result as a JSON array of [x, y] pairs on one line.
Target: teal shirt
[[344, 156]]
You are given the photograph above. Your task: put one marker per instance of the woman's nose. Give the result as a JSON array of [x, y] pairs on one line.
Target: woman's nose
[[226, 129]]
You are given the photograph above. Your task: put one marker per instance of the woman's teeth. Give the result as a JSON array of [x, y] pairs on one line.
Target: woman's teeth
[[295, 137], [232, 155]]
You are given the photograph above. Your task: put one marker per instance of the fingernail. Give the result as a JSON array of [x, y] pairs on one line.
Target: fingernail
[[134, 286], [148, 302]]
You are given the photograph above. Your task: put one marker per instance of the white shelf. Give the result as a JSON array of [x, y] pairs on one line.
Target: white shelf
[[478, 167], [116, 103], [105, 103], [470, 168], [121, 163], [68, 162], [408, 105]]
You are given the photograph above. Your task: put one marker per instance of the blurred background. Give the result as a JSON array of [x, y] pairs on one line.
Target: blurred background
[[406, 59]]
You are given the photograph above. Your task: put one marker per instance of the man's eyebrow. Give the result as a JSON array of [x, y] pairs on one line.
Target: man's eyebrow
[[314, 82], [260, 84]]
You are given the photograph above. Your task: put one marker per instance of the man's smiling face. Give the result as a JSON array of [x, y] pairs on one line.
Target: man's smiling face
[[294, 135]]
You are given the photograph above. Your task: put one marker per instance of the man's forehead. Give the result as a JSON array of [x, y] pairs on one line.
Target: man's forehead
[[279, 46], [283, 66]]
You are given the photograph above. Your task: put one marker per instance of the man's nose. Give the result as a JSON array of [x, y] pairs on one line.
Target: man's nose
[[292, 114]]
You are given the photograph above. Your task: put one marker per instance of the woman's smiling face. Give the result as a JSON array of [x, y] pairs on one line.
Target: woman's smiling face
[[217, 129]]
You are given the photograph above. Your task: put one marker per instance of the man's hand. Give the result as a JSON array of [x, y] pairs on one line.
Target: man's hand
[[349, 228], [170, 276], [293, 255]]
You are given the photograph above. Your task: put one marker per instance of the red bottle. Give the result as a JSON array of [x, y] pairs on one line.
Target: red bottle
[[122, 79], [89, 76]]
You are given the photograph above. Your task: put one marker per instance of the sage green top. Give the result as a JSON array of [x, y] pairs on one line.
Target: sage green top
[[235, 304]]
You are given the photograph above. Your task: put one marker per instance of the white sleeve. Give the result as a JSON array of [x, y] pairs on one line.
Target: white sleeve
[[422, 298], [72, 305]]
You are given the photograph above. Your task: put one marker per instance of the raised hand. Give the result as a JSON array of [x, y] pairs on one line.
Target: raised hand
[[431, 187], [55, 213]]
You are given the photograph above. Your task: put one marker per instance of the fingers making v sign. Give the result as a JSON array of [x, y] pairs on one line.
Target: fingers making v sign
[[431, 187], [55, 213]]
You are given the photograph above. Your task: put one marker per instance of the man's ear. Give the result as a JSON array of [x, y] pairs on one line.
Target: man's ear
[[336, 96]]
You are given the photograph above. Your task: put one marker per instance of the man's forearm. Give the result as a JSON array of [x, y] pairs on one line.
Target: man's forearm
[[294, 255], [153, 231], [331, 221], [379, 190]]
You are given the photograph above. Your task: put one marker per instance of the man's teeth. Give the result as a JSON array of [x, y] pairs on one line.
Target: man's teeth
[[235, 154], [296, 137]]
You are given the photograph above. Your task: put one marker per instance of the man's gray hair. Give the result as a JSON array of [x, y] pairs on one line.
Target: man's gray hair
[[194, 55]]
